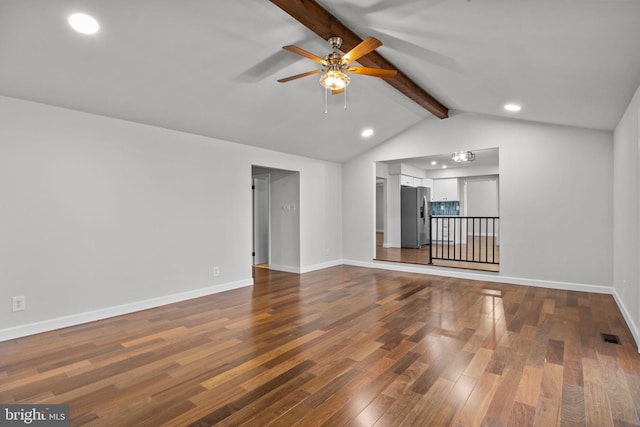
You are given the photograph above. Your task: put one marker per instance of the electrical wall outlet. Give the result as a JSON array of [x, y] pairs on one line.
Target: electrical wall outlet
[[216, 271], [19, 303]]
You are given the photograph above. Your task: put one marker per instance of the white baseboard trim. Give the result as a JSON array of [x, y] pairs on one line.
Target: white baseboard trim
[[321, 266], [285, 268], [480, 275], [628, 318], [307, 269], [104, 313]]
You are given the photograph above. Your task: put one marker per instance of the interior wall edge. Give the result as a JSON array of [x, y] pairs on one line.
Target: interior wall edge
[[285, 268], [307, 269], [627, 317], [321, 266], [105, 313]]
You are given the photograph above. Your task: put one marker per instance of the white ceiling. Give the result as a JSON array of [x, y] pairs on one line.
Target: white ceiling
[[210, 67]]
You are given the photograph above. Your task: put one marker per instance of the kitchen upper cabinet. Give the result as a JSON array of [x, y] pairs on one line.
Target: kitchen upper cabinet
[[410, 181], [406, 180], [445, 190]]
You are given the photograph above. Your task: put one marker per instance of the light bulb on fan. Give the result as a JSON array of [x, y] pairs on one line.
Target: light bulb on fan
[[334, 80]]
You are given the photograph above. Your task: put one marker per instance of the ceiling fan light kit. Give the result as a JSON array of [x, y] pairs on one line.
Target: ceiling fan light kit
[[463, 156], [336, 66], [334, 80]]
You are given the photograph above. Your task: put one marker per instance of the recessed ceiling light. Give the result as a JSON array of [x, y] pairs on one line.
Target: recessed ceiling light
[[367, 133], [444, 166], [433, 163], [512, 107], [83, 23]]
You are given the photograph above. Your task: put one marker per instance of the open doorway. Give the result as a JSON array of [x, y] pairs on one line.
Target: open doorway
[[276, 218], [464, 210]]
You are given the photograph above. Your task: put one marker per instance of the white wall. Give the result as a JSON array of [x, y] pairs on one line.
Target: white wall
[[285, 221], [380, 206], [393, 230], [555, 192], [101, 216], [389, 215], [480, 196], [626, 214]]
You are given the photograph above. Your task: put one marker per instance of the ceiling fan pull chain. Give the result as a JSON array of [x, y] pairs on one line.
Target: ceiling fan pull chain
[[345, 99], [325, 100]]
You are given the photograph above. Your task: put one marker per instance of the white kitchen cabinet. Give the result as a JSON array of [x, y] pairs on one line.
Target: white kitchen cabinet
[[406, 180], [410, 181], [445, 190]]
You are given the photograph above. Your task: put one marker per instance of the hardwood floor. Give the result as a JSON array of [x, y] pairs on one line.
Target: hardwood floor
[[341, 346]]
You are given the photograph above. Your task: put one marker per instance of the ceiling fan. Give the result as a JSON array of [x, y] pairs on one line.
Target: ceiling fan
[[336, 66]]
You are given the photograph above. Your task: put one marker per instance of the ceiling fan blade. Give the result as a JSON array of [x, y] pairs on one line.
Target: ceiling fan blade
[[337, 91], [297, 76], [311, 56], [376, 72], [367, 45]]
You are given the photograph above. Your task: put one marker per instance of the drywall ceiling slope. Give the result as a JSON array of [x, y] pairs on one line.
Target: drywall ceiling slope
[[210, 68]]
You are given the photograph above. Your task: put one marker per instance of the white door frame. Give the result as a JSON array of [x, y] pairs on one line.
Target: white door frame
[[261, 236]]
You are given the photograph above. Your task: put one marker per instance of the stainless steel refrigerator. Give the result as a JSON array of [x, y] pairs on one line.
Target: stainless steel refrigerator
[[414, 216]]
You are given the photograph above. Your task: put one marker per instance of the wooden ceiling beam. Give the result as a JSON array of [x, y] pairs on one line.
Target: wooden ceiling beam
[[319, 20]]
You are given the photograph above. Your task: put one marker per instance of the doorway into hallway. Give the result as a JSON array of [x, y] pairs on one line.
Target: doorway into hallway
[[276, 218]]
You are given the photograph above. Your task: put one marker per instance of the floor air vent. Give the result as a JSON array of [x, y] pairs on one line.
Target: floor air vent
[[611, 339]]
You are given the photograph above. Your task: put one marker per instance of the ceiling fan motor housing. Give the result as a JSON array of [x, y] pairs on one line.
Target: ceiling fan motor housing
[[334, 61]]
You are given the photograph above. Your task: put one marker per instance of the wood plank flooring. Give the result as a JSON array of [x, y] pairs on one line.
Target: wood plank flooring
[[341, 346]]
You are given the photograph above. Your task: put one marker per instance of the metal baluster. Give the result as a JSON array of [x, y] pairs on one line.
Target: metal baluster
[[486, 241], [473, 235], [493, 247], [430, 240], [454, 237], [449, 228]]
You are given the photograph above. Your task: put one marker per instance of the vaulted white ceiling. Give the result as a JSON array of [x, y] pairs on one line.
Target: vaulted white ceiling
[[210, 67]]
